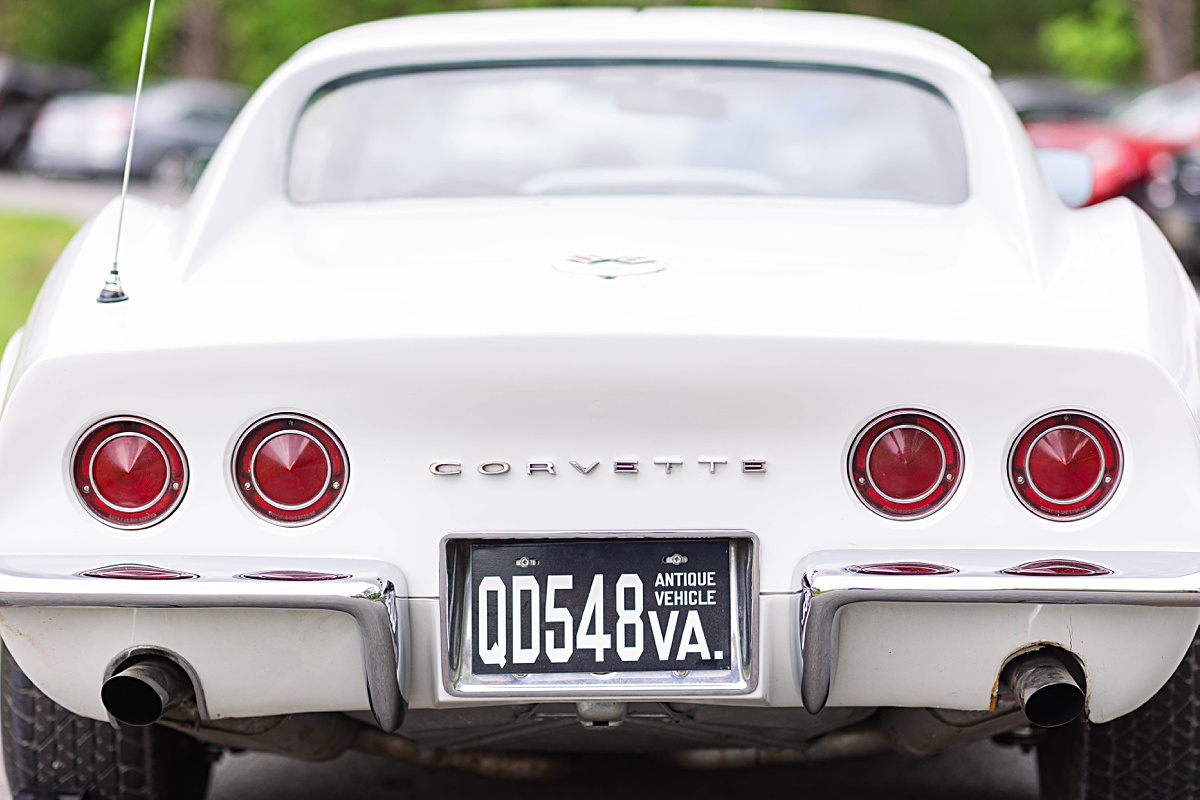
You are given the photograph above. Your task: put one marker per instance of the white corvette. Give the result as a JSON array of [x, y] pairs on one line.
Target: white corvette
[[727, 385]]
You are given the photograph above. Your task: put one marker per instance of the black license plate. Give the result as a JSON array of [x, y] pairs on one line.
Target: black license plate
[[610, 605]]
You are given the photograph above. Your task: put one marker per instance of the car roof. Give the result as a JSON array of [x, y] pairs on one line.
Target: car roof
[[719, 26]]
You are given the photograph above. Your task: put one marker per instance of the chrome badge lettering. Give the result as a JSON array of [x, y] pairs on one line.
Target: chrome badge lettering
[[671, 466]]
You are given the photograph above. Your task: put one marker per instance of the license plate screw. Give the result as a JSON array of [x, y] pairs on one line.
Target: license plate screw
[[680, 673], [521, 675], [526, 561], [676, 559]]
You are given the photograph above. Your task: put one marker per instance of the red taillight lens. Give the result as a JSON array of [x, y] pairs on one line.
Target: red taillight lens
[[906, 464], [1065, 465], [128, 472], [290, 469]]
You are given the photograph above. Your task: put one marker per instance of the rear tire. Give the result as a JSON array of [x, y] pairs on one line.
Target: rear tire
[[49, 750], [1153, 752]]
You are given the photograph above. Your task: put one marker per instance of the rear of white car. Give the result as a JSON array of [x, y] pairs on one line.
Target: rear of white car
[[604, 436]]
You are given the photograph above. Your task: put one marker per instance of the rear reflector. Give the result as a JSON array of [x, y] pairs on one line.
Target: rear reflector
[[903, 568], [1058, 568], [138, 572], [294, 575]]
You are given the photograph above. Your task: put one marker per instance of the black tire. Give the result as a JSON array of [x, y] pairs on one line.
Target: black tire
[[1151, 753], [48, 751]]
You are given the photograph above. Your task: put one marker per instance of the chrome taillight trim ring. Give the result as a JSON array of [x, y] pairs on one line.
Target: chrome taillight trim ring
[[933, 488], [334, 490], [1082, 495], [315, 497], [1107, 484], [176, 482], [100, 495], [953, 463]]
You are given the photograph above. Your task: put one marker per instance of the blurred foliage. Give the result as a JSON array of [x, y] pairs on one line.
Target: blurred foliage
[[1003, 33], [28, 248], [1083, 36], [122, 53], [61, 30], [1098, 44]]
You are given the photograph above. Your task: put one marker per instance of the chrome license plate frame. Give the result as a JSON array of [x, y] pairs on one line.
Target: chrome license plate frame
[[458, 610]]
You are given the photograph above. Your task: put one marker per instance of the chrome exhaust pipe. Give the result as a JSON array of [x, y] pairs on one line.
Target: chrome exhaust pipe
[[1045, 687], [144, 691]]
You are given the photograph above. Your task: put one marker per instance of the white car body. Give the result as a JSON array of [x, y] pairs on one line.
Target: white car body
[[439, 332]]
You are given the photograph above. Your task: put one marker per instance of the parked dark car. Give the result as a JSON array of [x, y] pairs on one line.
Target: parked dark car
[[1043, 98], [1172, 197], [24, 89], [180, 121]]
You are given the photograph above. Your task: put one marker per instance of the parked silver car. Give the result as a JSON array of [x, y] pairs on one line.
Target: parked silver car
[[87, 133]]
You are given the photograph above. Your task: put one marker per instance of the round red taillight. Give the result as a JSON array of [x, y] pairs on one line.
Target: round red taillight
[[906, 464], [1065, 465], [290, 469], [129, 472]]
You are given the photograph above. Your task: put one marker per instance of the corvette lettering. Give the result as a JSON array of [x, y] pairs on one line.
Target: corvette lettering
[[446, 469]]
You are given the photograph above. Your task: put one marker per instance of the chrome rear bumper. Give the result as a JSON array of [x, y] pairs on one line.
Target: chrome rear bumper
[[365, 590], [830, 581], [374, 595]]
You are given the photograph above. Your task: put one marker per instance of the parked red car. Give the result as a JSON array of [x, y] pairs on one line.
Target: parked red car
[[1124, 147]]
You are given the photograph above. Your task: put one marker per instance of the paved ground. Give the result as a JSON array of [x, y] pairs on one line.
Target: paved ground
[[981, 772], [73, 199]]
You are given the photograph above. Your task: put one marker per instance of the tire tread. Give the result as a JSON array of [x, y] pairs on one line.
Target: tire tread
[[48, 748], [1152, 753]]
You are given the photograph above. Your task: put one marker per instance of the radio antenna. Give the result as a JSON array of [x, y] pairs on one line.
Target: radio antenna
[[112, 291]]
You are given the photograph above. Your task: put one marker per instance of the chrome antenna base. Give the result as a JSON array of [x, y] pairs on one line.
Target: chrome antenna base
[[112, 291]]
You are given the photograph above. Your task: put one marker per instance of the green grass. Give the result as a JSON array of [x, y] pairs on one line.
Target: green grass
[[29, 246]]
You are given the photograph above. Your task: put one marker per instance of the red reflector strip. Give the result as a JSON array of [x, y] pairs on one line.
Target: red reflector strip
[[1058, 568], [295, 575], [903, 568], [138, 572]]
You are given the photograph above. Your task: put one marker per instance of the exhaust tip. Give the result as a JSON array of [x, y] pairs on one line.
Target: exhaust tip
[[1052, 706], [1045, 686], [141, 694]]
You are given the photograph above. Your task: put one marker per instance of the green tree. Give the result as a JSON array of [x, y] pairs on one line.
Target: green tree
[[123, 51], [1098, 44], [247, 39], [61, 30]]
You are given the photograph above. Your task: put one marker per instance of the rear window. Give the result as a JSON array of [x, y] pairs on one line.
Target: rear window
[[629, 129]]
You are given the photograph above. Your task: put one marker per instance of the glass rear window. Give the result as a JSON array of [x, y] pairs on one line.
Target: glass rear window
[[629, 129]]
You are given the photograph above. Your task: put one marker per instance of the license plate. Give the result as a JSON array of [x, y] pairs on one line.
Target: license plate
[[600, 606]]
